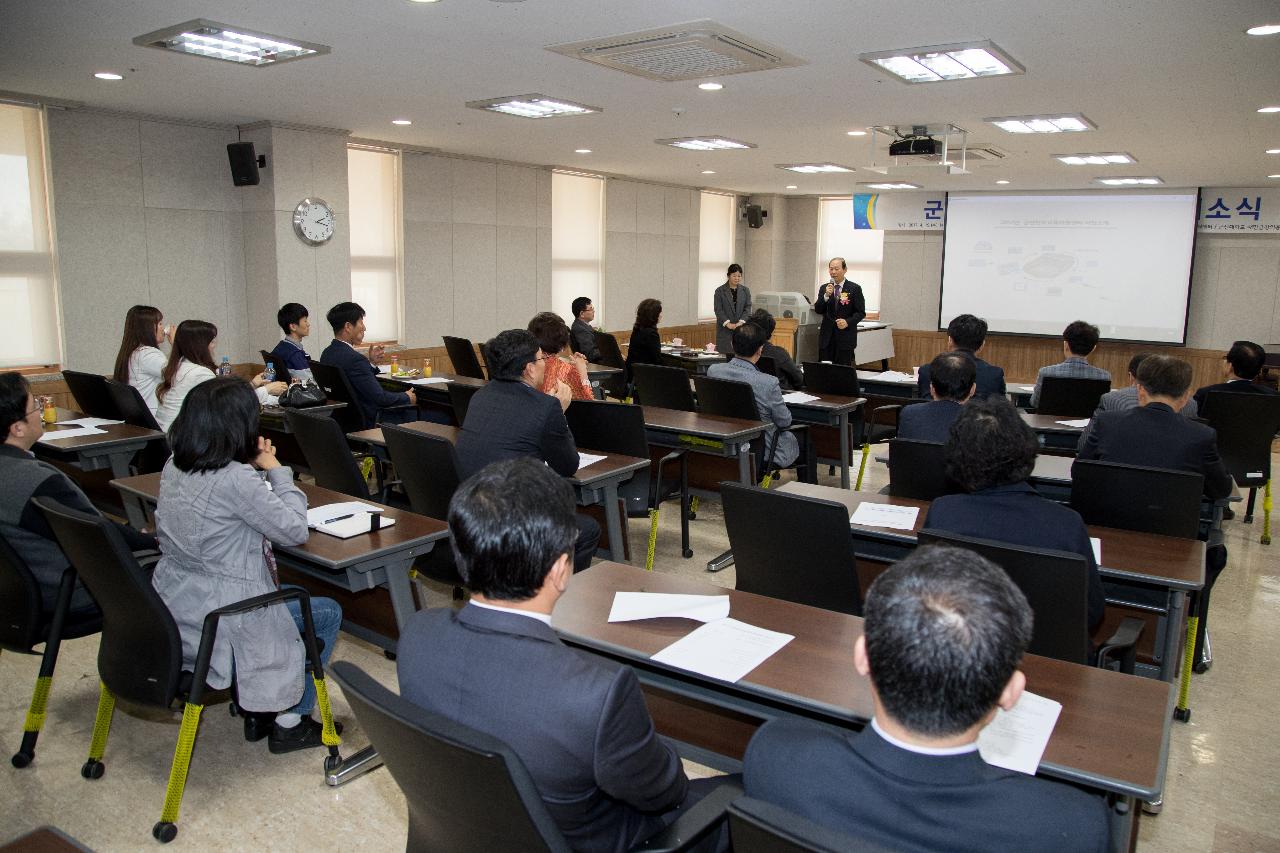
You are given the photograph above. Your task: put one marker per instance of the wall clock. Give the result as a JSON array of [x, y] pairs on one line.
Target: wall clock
[[313, 221]]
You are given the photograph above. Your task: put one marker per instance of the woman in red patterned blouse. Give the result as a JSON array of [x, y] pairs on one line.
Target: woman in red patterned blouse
[[563, 365]]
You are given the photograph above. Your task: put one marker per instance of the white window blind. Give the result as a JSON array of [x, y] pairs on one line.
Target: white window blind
[[577, 241], [716, 221], [862, 250], [28, 286], [373, 181]]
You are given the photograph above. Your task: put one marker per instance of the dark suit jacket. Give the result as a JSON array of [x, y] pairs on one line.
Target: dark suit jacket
[[832, 309], [582, 338], [869, 788], [578, 722], [1156, 436], [507, 419], [790, 377], [929, 421], [1018, 515], [292, 356], [363, 376], [645, 347], [1244, 386], [989, 378]]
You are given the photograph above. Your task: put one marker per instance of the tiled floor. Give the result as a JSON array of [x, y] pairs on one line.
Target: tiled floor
[[1223, 785]]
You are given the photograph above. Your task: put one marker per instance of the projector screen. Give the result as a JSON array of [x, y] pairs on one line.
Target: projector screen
[[1030, 264]]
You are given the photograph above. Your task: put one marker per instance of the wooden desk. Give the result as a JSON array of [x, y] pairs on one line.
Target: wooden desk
[[831, 410], [710, 434], [355, 564], [273, 417], [1112, 735], [596, 484], [694, 361]]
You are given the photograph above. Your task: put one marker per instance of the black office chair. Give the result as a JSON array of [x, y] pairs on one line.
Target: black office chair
[[327, 453], [427, 467], [732, 399], [1131, 497], [460, 398], [25, 624], [868, 428], [92, 396], [1056, 585], [918, 469], [338, 388], [756, 826], [282, 370], [133, 409], [766, 364], [664, 387], [1246, 424], [484, 358], [792, 547], [611, 356], [463, 356], [140, 655], [1070, 397], [468, 792], [619, 428]]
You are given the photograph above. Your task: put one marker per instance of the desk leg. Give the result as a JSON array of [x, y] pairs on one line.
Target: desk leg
[[401, 590], [613, 521], [744, 464], [1173, 635], [843, 426], [135, 510]]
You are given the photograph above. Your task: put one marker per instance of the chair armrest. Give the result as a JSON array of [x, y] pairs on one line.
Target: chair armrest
[[1124, 640], [694, 824], [655, 483], [209, 631]]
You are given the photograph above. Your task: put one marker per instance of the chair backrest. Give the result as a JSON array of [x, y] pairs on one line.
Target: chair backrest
[[463, 356], [92, 396], [1069, 396], [608, 427], [484, 358], [1056, 584], [129, 403], [338, 388], [20, 602], [1131, 497], [766, 364], [140, 655], [282, 370], [1246, 423], [664, 387], [773, 557], [918, 469], [427, 466], [467, 792], [610, 352], [756, 826], [460, 398], [727, 398], [839, 379], [327, 453]]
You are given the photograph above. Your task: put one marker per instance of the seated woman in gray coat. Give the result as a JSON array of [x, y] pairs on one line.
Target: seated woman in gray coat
[[224, 498]]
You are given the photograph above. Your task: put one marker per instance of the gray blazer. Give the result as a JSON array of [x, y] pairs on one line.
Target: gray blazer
[[214, 527], [727, 311], [769, 405], [1127, 398]]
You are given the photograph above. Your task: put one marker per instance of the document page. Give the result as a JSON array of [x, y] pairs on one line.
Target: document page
[[585, 459], [870, 514], [798, 397], [1097, 549], [91, 422], [726, 649], [74, 432], [329, 513], [1081, 423], [430, 380], [893, 376], [1015, 740], [630, 606]]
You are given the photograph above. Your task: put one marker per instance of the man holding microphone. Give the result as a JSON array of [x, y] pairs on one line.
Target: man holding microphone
[[841, 305]]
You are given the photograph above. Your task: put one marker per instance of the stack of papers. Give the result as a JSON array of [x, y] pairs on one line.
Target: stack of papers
[[798, 397], [346, 519], [1016, 739], [630, 606], [1079, 424], [870, 514], [429, 380], [892, 376], [91, 422], [73, 432]]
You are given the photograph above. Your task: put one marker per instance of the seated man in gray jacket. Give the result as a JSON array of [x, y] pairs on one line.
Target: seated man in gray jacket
[[748, 346], [1127, 397]]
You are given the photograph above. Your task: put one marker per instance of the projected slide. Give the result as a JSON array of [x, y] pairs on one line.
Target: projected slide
[[1031, 264]]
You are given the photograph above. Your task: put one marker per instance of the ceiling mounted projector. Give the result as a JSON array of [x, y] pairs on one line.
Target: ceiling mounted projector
[[914, 146]]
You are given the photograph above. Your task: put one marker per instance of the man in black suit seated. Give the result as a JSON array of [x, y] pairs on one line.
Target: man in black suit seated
[[951, 384], [510, 417], [944, 633], [577, 722], [375, 402], [582, 335], [967, 334], [990, 454], [1242, 364]]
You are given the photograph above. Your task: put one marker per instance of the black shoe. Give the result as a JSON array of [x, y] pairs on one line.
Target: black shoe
[[257, 725], [304, 735], [1228, 514]]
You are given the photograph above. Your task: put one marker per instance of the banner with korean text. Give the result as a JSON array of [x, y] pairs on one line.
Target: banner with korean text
[[1236, 210], [899, 211]]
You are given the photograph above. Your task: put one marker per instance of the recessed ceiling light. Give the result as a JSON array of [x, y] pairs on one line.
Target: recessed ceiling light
[[705, 143], [855, 133], [1273, 150], [108, 75], [1053, 123], [230, 44], [944, 62], [1269, 110], [812, 168], [1264, 30], [711, 87], [1002, 182], [403, 121], [1117, 158], [707, 172], [424, 1], [792, 187], [582, 151], [902, 185], [1128, 182], [1273, 176], [533, 106]]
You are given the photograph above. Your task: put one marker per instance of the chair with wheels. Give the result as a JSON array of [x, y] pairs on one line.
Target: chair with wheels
[[460, 398], [918, 469], [756, 826], [619, 428], [1246, 424], [868, 428], [766, 364], [427, 466], [327, 453], [664, 387], [133, 409], [140, 655], [468, 792], [463, 356], [1070, 397], [732, 399], [92, 396], [338, 388], [792, 547]]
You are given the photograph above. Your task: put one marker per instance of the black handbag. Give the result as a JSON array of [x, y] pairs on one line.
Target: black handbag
[[302, 395]]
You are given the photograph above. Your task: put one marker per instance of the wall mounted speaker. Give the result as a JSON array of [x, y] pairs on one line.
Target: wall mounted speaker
[[244, 164], [755, 215]]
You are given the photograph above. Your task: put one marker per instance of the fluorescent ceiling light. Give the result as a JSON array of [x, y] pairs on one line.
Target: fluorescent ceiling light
[[792, 187], [813, 168], [1117, 158], [1264, 30], [1002, 182], [711, 87], [108, 75], [892, 186], [230, 44], [944, 62], [1056, 123], [401, 121], [1273, 176], [1128, 182], [855, 133], [707, 172], [705, 143], [533, 106], [582, 151], [1269, 110], [1273, 150]]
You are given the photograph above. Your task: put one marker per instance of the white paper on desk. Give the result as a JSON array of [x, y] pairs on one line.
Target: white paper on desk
[[1081, 423], [318, 515], [384, 368], [870, 514], [92, 422], [585, 459], [1015, 740], [1097, 549], [798, 397], [893, 376], [630, 606], [726, 649], [1030, 389], [430, 380], [74, 432]]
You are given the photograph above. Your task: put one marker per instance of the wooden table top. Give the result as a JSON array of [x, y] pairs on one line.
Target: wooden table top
[[410, 528], [827, 402], [1112, 731], [1170, 561], [1049, 423], [113, 434], [452, 378], [707, 426]]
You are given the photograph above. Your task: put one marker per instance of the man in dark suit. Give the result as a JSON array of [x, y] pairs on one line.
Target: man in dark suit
[[375, 402], [510, 417], [990, 454], [583, 337], [967, 334], [577, 722], [1242, 364], [944, 633], [951, 384], [842, 307]]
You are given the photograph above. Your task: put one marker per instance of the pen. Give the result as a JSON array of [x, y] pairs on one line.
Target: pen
[[339, 518]]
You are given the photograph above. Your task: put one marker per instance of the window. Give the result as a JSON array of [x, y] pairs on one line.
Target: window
[[715, 247], [28, 286], [373, 180], [577, 241], [862, 249]]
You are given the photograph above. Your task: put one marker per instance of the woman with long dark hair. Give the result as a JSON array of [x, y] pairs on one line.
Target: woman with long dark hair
[[191, 363], [645, 346], [140, 362]]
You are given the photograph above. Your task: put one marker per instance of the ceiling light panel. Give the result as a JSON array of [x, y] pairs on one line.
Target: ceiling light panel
[[1129, 182], [1114, 159], [944, 62], [533, 106], [813, 168], [705, 143], [892, 186], [1055, 123], [230, 44]]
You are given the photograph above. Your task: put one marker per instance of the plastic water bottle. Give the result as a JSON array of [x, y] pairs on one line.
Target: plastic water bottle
[[270, 373], [224, 369]]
